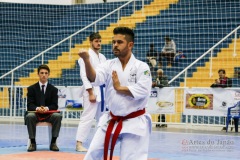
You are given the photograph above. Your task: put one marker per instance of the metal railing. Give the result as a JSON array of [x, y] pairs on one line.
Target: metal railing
[[17, 110], [70, 38], [210, 51]]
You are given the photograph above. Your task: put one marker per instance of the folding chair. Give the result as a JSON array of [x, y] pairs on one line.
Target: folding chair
[[233, 113]]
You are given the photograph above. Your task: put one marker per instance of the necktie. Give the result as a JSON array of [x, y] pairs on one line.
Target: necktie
[[42, 96]]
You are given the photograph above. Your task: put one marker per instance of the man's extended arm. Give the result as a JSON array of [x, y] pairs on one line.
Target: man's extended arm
[[91, 74]]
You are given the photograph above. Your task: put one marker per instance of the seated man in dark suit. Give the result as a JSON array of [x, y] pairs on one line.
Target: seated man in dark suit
[[42, 101]]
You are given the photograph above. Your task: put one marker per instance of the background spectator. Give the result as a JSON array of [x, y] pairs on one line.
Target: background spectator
[[169, 50], [222, 81], [161, 81], [152, 56]]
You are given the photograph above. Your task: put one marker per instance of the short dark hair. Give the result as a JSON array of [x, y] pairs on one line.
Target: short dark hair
[[167, 38], [151, 45], [43, 66], [222, 70], [94, 35], [125, 31]]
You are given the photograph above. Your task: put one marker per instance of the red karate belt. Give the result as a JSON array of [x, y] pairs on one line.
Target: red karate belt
[[120, 120]]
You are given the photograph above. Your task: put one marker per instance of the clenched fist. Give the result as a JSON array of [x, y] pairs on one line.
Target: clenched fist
[[83, 53]]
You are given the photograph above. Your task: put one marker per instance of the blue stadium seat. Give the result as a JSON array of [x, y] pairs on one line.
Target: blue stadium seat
[[39, 19]]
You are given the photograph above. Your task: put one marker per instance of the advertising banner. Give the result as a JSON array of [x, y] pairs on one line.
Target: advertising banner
[[70, 98], [161, 101], [209, 101]]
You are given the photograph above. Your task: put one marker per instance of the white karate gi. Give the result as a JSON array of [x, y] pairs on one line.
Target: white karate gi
[[90, 110], [135, 133]]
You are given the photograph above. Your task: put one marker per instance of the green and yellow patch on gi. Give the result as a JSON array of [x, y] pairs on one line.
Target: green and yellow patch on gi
[[147, 73]]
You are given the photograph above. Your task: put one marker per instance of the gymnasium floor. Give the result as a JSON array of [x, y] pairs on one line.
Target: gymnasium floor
[[165, 144]]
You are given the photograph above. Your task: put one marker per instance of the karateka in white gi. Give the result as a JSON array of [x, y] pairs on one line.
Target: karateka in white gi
[[128, 85], [93, 99]]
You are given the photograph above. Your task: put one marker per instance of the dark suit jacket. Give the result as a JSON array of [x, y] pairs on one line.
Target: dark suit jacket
[[34, 94], [223, 84]]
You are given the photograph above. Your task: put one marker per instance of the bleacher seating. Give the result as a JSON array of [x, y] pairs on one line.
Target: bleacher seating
[[206, 30], [28, 29], [59, 25]]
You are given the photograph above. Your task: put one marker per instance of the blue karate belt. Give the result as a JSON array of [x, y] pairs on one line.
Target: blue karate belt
[[102, 98]]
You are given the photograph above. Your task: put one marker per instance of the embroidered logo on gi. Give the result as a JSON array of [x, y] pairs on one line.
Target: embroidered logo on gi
[[147, 73], [132, 77]]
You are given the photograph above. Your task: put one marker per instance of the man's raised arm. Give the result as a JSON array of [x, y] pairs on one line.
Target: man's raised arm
[[91, 74]]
